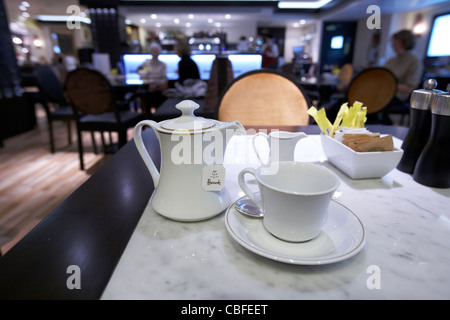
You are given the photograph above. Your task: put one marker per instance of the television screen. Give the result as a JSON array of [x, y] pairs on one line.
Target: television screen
[[337, 42], [439, 44]]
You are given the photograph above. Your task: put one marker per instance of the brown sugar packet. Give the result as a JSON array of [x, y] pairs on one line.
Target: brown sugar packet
[[350, 139], [360, 136], [370, 143]]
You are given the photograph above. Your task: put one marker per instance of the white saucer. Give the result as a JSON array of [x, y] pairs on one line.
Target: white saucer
[[342, 237]]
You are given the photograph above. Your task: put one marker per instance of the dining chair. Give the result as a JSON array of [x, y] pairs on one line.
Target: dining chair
[[52, 98], [264, 97], [374, 87], [96, 108]]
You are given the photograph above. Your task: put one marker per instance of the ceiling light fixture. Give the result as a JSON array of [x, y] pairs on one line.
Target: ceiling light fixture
[[302, 4]]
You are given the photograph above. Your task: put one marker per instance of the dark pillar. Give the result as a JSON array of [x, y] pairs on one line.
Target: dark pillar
[[105, 26], [16, 114]]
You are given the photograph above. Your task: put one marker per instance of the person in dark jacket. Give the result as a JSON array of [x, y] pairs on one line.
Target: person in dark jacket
[[187, 68]]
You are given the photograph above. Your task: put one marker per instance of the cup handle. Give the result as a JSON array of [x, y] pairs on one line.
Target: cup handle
[[262, 134], [245, 187]]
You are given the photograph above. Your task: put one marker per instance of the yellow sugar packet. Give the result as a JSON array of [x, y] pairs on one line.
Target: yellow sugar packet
[[349, 118], [337, 121], [324, 120], [321, 118], [361, 118]]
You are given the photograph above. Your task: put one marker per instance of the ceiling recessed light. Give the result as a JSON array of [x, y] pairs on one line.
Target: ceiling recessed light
[[158, 25], [188, 24], [227, 16], [191, 16], [302, 4], [210, 20], [153, 16], [143, 20], [176, 20], [218, 24]]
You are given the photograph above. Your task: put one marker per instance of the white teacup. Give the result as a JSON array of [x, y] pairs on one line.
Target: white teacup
[[294, 200], [281, 145]]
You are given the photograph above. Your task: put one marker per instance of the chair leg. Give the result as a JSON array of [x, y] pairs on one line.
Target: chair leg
[[103, 142], [94, 145], [50, 132], [80, 149], [69, 134]]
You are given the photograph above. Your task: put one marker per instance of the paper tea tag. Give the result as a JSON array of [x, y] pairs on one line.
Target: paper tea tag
[[213, 178]]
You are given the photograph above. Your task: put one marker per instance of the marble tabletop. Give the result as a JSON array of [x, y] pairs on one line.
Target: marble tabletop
[[406, 254]]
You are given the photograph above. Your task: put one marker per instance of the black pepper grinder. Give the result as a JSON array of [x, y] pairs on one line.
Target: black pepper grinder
[[433, 166], [420, 125]]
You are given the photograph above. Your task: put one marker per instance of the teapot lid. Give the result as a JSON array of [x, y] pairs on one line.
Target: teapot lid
[[187, 121]]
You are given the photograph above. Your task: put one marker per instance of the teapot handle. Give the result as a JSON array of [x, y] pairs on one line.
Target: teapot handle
[[137, 135]]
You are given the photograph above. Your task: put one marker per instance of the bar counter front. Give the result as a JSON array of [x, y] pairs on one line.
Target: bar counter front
[[389, 238]]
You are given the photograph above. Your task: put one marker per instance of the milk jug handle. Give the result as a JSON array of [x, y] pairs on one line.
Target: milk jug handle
[[259, 134], [137, 135]]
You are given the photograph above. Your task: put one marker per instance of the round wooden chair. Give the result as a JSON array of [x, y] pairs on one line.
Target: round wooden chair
[[374, 87], [96, 108], [264, 97]]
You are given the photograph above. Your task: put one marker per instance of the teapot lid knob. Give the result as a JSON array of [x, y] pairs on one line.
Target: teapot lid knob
[[187, 121], [187, 107]]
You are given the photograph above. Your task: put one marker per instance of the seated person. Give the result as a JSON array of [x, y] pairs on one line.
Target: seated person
[[154, 72], [187, 68], [405, 66]]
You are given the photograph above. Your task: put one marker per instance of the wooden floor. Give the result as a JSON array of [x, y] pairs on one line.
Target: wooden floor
[[34, 181]]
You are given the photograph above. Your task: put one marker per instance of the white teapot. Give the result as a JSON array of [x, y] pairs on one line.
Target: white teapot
[[191, 183]]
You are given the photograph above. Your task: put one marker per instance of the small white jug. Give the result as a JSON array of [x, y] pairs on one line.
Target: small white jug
[[281, 144]]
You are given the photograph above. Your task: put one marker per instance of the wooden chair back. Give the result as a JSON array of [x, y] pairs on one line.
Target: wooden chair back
[[264, 97]]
